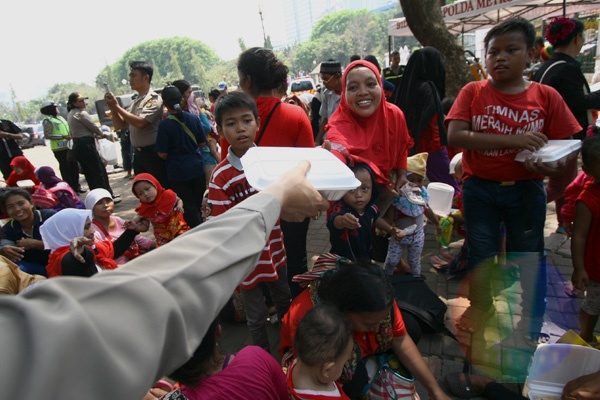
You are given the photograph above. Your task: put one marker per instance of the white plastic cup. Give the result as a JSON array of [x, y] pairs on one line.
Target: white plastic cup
[[440, 198]]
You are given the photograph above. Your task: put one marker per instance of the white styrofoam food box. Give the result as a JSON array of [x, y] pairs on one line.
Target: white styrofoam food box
[[331, 177], [25, 183], [553, 152], [556, 364]]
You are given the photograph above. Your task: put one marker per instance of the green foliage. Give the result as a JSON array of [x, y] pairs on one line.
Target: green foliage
[[338, 36], [335, 23], [223, 71], [172, 59]]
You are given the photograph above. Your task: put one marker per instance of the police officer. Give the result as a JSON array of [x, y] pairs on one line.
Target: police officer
[[56, 130], [142, 118]]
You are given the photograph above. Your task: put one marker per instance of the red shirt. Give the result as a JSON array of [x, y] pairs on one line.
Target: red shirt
[[538, 108], [591, 198], [228, 187], [289, 126], [313, 394], [366, 340]]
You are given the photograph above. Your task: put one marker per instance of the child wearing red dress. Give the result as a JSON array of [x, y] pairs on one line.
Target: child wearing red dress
[[161, 206]]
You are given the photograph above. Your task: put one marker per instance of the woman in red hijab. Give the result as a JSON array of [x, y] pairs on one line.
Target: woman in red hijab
[[367, 129], [22, 170], [160, 206]]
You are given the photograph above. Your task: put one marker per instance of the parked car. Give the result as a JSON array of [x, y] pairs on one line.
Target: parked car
[[33, 135], [303, 85]]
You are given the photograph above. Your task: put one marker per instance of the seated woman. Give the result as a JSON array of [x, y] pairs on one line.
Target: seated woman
[[250, 374], [110, 227], [54, 192], [70, 238], [365, 295], [22, 242], [22, 170]]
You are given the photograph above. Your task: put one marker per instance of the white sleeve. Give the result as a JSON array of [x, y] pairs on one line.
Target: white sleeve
[[115, 334]]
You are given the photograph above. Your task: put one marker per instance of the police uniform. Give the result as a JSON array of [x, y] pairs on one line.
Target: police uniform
[[56, 129], [145, 158], [395, 78], [83, 131]]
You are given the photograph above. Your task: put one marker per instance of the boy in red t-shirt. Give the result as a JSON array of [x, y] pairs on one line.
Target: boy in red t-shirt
[[493, 120], [586, 233], [237, 121]]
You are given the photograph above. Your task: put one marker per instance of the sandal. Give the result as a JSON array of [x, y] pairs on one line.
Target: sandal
[[461, 388], [534, 339], [473, 318]]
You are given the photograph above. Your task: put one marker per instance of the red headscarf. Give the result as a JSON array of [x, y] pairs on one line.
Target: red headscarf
[[381, 141], [28, 171], [104, 254], [165, 198]]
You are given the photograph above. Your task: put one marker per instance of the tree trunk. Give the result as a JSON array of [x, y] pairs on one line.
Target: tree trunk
[[424, 17]]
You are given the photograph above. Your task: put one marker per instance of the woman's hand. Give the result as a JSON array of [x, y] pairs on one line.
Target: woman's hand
[[154, 393], [13, 253], [137, 224], [77, 245], [580, 279], [584, 387]]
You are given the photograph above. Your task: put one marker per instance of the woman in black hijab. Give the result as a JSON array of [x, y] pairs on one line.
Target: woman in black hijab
[[421, 91]]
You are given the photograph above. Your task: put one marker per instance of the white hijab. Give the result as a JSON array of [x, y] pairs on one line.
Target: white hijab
[[94, 196], [64, 226]]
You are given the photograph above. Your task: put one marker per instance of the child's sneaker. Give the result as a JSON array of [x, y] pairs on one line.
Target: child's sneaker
[[412, 194]]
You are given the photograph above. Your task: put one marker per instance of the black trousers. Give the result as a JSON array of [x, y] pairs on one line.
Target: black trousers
[[145, 159], [69, 170], [93, 169], [294, 238], [191, 192]]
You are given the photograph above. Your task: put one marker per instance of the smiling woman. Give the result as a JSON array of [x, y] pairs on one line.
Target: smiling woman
[[22, 242], [365, 128]]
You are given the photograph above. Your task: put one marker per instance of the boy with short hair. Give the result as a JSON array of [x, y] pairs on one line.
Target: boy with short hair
[[493, 120], [584, 242], [237, 120]]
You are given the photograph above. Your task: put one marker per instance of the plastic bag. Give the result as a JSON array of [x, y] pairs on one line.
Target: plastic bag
[[388, 379], [108, 151]]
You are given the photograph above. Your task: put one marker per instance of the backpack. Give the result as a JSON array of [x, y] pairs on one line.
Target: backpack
[[44, 199], [415, 297]]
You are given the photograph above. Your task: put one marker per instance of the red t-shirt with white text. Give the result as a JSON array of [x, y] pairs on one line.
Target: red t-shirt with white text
[[538, 108]]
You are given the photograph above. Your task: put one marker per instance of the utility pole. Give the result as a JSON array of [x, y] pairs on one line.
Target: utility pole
[[263, 26]]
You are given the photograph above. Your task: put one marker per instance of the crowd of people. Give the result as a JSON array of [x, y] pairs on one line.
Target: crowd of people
[[215, 239]]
